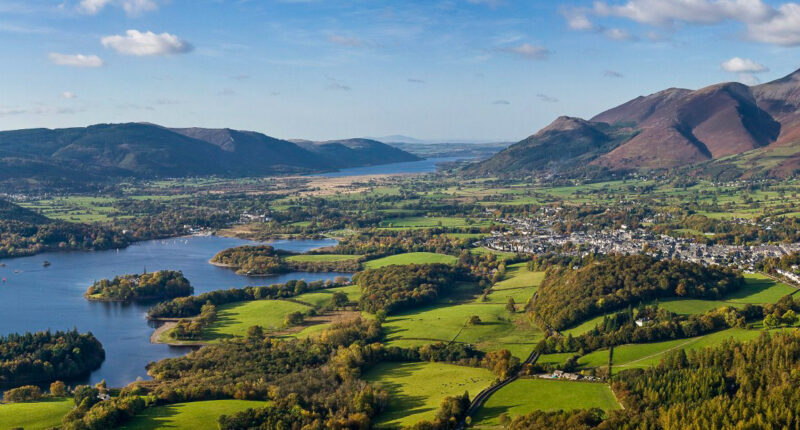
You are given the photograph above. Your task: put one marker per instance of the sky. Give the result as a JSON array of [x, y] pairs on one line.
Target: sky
[[494, 70]]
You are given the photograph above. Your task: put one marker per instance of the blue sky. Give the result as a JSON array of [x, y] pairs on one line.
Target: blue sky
[[318, 69]]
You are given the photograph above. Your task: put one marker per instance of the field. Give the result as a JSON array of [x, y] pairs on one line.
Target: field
[[323, 297], [417, 389], [35, 415], [306, 258], [526, 395], [189, 416], [425, 222], [519, 284], [411, 258], [445, 321], [235, 318]]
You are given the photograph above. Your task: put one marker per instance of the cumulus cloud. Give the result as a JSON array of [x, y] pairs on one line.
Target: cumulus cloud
[[618, 34], [131, 7], [547, 99], [75, 60], [763, 22], [139, 43], [528, 51], [68, 95], [742, 65]]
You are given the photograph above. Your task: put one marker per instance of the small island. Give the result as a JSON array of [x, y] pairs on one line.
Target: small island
[[258, 260], [43, 357], [165, 284]]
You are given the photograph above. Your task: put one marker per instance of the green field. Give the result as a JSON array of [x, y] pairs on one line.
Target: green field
[[417, 389], [427, 222], [411, 258], [189, 416], [323, 297], [35, 415], [312, 258], [518, 283], [527, 395], [235, 318]]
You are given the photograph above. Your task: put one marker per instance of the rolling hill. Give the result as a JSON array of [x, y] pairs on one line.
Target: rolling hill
[[148, 151], [728, 130]]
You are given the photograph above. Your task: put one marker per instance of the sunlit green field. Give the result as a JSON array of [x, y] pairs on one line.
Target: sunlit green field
[[417, 389], [411, 258], [425, 222], [323, 297], [189, 416], [234, 319], [526, 395], [34, 415]]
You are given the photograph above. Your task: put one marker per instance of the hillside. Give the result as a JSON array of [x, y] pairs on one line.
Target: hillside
[[97, 152], [356, 152], [727, 129]]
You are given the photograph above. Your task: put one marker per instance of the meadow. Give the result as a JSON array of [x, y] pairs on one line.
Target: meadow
[[235, 318], [44, 414], [189, 416], [412, 401], [527, 395], [411, 258]]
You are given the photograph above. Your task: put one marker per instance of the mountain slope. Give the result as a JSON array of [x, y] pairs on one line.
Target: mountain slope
[[147, 150], [671, 129], [357, 152]]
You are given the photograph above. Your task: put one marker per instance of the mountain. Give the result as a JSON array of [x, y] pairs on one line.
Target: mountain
[[728, 127], [356, 152], [100, 151]]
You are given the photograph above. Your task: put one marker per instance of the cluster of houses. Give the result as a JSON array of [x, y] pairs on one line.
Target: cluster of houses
[[536, 236], [560, 374]]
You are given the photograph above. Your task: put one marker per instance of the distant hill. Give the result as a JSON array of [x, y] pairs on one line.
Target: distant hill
[[724, 130], [11, 212], [356, 152], [147, 150]]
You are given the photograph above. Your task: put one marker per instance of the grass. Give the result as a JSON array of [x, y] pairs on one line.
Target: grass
[[35, 415], [411, 258], [323, 297], [417, 389], [445, 321], [426, 222], [189, 416], [527, 395], [234, 319], [518, 275], [313, 258]]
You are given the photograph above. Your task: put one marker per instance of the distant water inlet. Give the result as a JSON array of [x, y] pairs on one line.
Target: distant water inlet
[[34, 297]]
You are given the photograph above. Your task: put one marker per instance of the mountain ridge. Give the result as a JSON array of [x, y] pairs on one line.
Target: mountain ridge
[[671, 129]]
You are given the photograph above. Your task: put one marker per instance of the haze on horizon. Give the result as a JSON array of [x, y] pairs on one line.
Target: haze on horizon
[[318, 69]]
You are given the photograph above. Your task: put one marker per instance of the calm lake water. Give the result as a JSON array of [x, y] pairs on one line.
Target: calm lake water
[[423, 166], [38, 298]]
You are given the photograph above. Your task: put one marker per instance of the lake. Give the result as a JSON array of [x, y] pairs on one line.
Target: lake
[[423, 166], [39, 298]]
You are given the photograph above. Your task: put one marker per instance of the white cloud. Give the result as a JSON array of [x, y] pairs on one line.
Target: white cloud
[[75, 60], [618, 34], [742, 65], [577, 19], [667, 12], [131, 7], [782, 28], [148, 43], [529, 51], [765, 23], [69, 95]]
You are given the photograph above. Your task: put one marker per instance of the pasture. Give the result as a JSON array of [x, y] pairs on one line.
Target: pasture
[[44, 414], [189, 416], [411, 258], [417, 389], [527, 395]]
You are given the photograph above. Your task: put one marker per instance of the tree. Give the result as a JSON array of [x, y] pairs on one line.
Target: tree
[[58, 389], [789, 317], [85, 396], [771, 321], [474, 320], [25, 393], [294, 318], [255, 332], [339, 300], [511, 305]]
